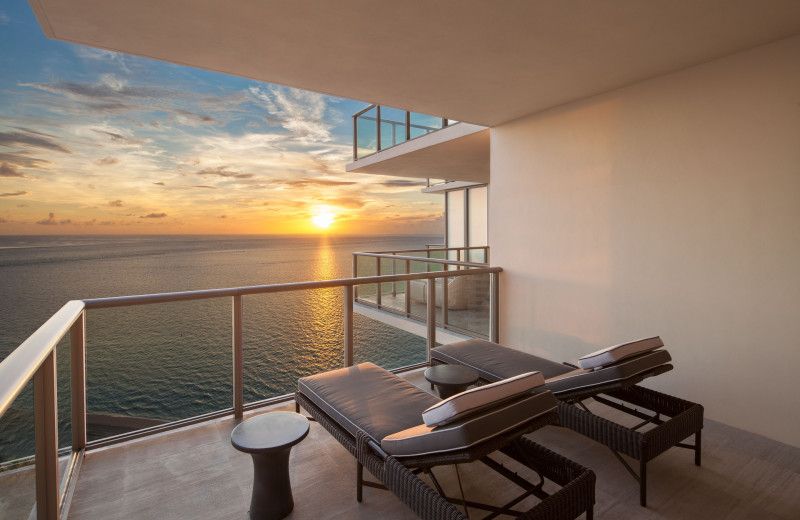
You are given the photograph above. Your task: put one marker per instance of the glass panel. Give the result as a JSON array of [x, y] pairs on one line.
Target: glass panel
[[151, 364], [393, 127], [477, 223], [468, 304], [367, 133], [422, 124], [17, 446], [290, 335], [386, 346]]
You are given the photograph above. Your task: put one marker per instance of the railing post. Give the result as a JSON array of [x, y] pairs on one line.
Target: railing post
[[378, 129], [408, 125], [394, 271], [348, 325], [238, 376], [77, 342], [46, 434], [355, 275], [378, 285], [355, 138], [445, 299], [431, 301], [494, 308], [408, 289]]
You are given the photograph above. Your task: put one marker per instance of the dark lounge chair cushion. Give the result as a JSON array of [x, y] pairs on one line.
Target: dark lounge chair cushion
[[476, 399], [367, 397], [476, 428], [631, 367], [494, 362], [612, 355]]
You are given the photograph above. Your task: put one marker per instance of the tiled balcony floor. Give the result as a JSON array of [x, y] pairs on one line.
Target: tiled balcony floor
[[195, 473]]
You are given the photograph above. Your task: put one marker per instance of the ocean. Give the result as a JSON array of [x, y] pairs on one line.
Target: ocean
[[173, 360]]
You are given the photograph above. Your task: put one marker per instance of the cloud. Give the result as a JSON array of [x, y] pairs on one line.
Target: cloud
[[186, 118], [159, 184], [21, 159], [51, 221], [25, 137], [14, 194], [223, 172], [2, 220], [115, 203], [348, 202], [107, 161], [115, 137], [300, 112], [204, 186], [111, 91], [154, 215], [306, 182], [402, 183], [4, 18], [223, 216], [8, 170]]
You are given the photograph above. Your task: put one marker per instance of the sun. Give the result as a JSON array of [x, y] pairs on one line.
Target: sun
[[323, 220]]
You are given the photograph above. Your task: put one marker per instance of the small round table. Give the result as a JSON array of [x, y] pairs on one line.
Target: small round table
[[451, 379], [269, 438]]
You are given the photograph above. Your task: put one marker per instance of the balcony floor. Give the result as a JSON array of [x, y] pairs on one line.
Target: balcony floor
[[196, 473]]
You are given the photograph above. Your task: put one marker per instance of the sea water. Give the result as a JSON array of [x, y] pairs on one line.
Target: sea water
[[172, 361]]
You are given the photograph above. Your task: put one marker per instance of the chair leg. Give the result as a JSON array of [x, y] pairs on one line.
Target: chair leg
[[697, 447], [643, 483], [359, 480], [590, 513]]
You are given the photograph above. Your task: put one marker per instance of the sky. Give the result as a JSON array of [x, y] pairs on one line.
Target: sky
[[96, 142]]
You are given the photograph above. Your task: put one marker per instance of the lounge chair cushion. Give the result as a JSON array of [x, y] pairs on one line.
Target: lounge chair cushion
[[612, 355], [494, 362], [367, 397], [471, 430], [479, 398]]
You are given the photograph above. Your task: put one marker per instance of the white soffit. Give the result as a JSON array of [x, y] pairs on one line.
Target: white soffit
[[471, 60], [457, 152]]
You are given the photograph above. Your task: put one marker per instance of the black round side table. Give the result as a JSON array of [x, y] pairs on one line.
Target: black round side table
[[269, 438], [451, 379]]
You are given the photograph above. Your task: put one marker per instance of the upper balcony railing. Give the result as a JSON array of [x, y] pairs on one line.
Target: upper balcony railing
[[35, 359], [376, 128]]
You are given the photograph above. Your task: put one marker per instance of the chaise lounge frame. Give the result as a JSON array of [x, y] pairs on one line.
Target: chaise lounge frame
[[399, 475], [674, 420]]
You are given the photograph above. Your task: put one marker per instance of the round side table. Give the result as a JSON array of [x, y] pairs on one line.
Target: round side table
[[269, 438], [451, 379]]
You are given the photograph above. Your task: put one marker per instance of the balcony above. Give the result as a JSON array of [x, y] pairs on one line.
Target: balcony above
[[458, 151]]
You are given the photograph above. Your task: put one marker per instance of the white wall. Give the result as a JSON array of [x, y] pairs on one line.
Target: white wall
[[672, 208]]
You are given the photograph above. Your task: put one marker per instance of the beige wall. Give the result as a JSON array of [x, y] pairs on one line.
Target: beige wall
[[672, 208]]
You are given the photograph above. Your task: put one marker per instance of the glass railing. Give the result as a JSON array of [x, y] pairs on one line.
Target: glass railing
[[32, 383], [463, 301], [376, 128]]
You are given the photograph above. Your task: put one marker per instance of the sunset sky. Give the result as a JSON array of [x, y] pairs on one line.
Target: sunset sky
[[94, 142]]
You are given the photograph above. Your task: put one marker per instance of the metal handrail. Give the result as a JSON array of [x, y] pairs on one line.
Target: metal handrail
[[20, 366], [35, 359]]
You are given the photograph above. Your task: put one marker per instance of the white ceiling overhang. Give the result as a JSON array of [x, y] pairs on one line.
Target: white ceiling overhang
[[477, 61], [457, 152]]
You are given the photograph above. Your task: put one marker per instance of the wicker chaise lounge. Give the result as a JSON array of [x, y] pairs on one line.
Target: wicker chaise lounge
[[613, 372], [398, 431]]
